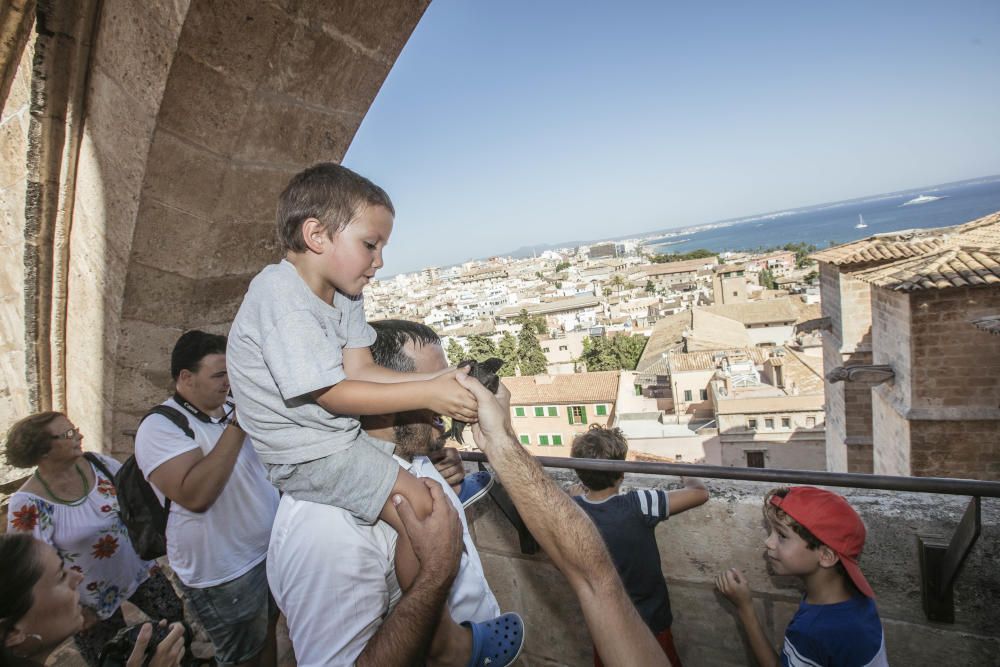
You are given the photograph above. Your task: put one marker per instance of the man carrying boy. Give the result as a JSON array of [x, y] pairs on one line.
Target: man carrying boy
[[302, 373], [343, 577], [627, 522], [817, 536]]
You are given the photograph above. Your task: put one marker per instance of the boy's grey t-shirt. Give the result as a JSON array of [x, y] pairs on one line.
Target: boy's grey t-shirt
[[286, 343]]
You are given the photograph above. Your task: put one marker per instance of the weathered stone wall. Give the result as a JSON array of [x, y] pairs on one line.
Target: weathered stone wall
[[13, 182], [847, 302], [13, 151], [197, 112], [727, 532], [941, 413]]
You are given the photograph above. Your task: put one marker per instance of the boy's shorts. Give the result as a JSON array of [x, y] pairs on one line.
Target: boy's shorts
[[235, 614], [358, 479]]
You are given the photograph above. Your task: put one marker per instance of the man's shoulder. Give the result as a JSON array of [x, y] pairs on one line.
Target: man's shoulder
[[156, 430]]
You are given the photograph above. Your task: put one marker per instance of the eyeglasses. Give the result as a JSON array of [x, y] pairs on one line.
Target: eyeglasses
[[71, 434]]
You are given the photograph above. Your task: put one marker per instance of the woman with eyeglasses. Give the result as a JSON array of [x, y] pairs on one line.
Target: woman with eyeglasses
[[40, 608], [71, 505]]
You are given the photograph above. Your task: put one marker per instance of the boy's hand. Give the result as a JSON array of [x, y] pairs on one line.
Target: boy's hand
[[734, 585], [447, 397]]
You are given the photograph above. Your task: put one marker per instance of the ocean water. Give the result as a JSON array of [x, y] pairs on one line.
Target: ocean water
[[832, 224]]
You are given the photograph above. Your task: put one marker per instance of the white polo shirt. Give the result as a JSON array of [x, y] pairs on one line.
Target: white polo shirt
[[335, 580]]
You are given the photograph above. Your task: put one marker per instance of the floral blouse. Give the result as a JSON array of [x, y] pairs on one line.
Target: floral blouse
[[90, 537]]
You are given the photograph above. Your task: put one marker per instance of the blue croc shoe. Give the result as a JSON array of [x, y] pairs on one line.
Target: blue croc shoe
[[497, 642], [475, 487]]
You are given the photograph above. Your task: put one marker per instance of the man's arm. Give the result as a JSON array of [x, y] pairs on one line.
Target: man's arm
[[448, 463], [567, 535], [194, 480], [733, 584], [405, 636]]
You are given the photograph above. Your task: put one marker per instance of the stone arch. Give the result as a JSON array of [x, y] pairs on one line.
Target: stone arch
[[196, 114]]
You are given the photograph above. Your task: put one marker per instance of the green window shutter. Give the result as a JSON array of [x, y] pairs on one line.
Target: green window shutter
[[583, 414], [557, 440], [525, 440], [518, 412], [539, 411], [553, 411], [602, 410], [569, 413], [543, 440]]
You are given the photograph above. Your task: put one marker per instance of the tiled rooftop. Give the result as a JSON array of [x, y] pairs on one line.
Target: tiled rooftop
[[684, 362], [769, 311], [597, 387], [966, 255]]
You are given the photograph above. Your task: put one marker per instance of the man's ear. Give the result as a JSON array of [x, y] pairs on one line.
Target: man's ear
[[15, 637], [314, 235], [827, 557]]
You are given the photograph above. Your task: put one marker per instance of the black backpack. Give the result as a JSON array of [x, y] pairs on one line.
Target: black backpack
[[140, 509]]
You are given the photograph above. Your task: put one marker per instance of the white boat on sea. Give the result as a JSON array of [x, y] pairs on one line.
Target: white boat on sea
[[861, 222], [922, 199]]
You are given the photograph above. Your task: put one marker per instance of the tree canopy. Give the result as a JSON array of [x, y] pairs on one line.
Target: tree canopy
[[666, 258], [530, 358], [612, 353]]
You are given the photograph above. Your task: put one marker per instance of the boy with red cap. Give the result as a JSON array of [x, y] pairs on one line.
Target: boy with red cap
[[816, 536]]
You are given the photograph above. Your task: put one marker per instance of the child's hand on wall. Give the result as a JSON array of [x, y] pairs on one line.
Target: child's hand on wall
[[734, 585]]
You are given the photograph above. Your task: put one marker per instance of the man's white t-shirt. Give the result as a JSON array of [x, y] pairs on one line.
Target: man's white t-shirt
[[229, 538], [335, 580]]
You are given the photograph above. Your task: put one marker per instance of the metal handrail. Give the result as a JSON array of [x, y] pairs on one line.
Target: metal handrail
[[942, 485]]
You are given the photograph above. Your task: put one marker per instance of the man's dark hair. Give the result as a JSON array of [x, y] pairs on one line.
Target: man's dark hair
[[22, 568], [28, 440], [191, 348], [332, 194], [387, 350], [599, 443]]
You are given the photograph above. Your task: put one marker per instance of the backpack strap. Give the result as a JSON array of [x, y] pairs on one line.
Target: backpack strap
[[174, 415], [179, 420], [99, 464]]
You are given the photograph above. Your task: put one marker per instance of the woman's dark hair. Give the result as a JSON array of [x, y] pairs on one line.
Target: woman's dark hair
[[28, 440], [191, 348], [22, 568], [599, 443]]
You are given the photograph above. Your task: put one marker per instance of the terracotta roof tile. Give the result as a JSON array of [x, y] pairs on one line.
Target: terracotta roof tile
[[966, 255], [598, 387]]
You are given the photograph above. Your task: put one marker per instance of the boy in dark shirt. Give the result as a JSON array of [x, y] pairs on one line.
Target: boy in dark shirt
[[816, 536], [627, 523]]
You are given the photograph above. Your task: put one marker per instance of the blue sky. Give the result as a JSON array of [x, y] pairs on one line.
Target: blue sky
[[505, 124]]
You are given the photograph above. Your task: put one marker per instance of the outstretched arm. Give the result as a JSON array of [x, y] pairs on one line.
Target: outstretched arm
[[567, 535], [733, 584]]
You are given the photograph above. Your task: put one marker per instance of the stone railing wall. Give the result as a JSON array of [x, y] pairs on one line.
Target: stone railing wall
[[728, 531]]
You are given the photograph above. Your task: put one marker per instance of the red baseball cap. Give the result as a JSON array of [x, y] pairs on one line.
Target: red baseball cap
[[833, 521]]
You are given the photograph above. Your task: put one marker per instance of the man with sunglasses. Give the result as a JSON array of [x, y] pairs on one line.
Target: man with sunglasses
[[222, 504]]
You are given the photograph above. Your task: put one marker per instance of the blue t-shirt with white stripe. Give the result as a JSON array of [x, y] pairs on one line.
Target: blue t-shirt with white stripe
[[626, 522], [845, 634]]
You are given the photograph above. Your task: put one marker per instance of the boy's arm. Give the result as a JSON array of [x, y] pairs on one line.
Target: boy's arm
[[733, 584], [359, 365], [443, 395], [692, 495]]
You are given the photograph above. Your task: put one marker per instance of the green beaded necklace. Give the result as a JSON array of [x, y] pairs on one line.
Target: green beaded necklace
[[83, 479]]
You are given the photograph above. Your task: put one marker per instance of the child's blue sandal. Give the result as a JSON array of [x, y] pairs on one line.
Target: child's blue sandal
[[475, 487], [497, 642]]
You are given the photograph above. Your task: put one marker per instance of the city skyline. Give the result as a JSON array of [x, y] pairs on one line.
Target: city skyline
[[504, 126]]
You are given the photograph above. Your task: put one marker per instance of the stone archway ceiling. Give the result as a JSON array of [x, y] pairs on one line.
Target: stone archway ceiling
[[256, 92]]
